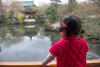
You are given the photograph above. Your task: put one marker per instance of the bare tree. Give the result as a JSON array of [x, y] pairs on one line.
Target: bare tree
[[10, 7], [1, 8], [13, 5], [1, 5], [43, 8], [16, 6], [97, 5]]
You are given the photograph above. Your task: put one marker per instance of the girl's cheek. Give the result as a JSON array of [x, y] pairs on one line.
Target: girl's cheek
[[62, 34]]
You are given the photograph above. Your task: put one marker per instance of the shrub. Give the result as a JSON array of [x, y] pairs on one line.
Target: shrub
[[21, 17]]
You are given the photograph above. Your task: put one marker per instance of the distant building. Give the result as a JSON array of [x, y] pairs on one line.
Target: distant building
[[28, 3], [28, 11]]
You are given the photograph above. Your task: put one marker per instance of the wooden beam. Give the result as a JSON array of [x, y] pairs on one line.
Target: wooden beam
[[90, 63], [93, 63]]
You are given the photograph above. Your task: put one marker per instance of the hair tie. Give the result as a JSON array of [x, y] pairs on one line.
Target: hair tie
[[64, 25]]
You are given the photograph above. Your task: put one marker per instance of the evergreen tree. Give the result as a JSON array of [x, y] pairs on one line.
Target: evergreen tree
[[52, 10], [55, 2], [71, 5], [11, 15], [52, 13]]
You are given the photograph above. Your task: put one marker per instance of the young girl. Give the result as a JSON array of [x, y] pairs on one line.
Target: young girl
[[70, 51]]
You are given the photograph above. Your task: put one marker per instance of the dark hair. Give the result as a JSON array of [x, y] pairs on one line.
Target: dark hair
[[73, 24]]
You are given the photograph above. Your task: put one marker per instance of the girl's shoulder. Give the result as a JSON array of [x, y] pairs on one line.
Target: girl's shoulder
[[60, 41], [83, 41]]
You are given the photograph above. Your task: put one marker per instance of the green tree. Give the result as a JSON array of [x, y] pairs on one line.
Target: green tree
[[33, 9], [72, 5], [52, 10], [11, 15], [39, 17], [52, 13], [55, 2]]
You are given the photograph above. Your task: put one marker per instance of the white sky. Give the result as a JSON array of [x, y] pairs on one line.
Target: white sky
[[40, 2]]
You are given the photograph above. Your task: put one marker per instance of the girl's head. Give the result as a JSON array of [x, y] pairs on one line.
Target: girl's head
[[70, 26]]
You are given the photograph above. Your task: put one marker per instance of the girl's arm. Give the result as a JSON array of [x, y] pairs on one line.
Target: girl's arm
[[48, 60]]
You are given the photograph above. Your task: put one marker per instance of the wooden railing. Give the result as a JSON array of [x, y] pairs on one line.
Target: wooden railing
[[90, 63]]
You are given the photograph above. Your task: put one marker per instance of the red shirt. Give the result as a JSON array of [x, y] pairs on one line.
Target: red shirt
[[70, 52]]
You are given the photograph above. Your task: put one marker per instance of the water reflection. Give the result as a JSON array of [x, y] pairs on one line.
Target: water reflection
[[26, 50], [0, 48], [23, 43], [94, 52]]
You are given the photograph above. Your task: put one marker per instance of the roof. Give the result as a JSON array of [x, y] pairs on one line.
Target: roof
[[28, 3]]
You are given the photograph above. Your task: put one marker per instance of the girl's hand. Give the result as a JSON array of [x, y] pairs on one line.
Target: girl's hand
[[44, 65], [49, 59]]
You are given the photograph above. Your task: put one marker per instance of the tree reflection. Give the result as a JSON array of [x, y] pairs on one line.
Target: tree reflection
[[9, 36], [94, 47], [54, 36]]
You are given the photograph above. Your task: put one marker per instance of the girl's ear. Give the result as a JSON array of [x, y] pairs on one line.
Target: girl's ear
[[63, 33]]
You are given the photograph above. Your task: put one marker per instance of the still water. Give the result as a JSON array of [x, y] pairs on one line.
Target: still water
[[20, 43]]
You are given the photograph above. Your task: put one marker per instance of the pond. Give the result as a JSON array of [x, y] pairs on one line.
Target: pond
[[23, 43]]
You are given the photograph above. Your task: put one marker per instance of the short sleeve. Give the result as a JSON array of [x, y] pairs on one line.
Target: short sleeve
[[54, 50], [85, 45]]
